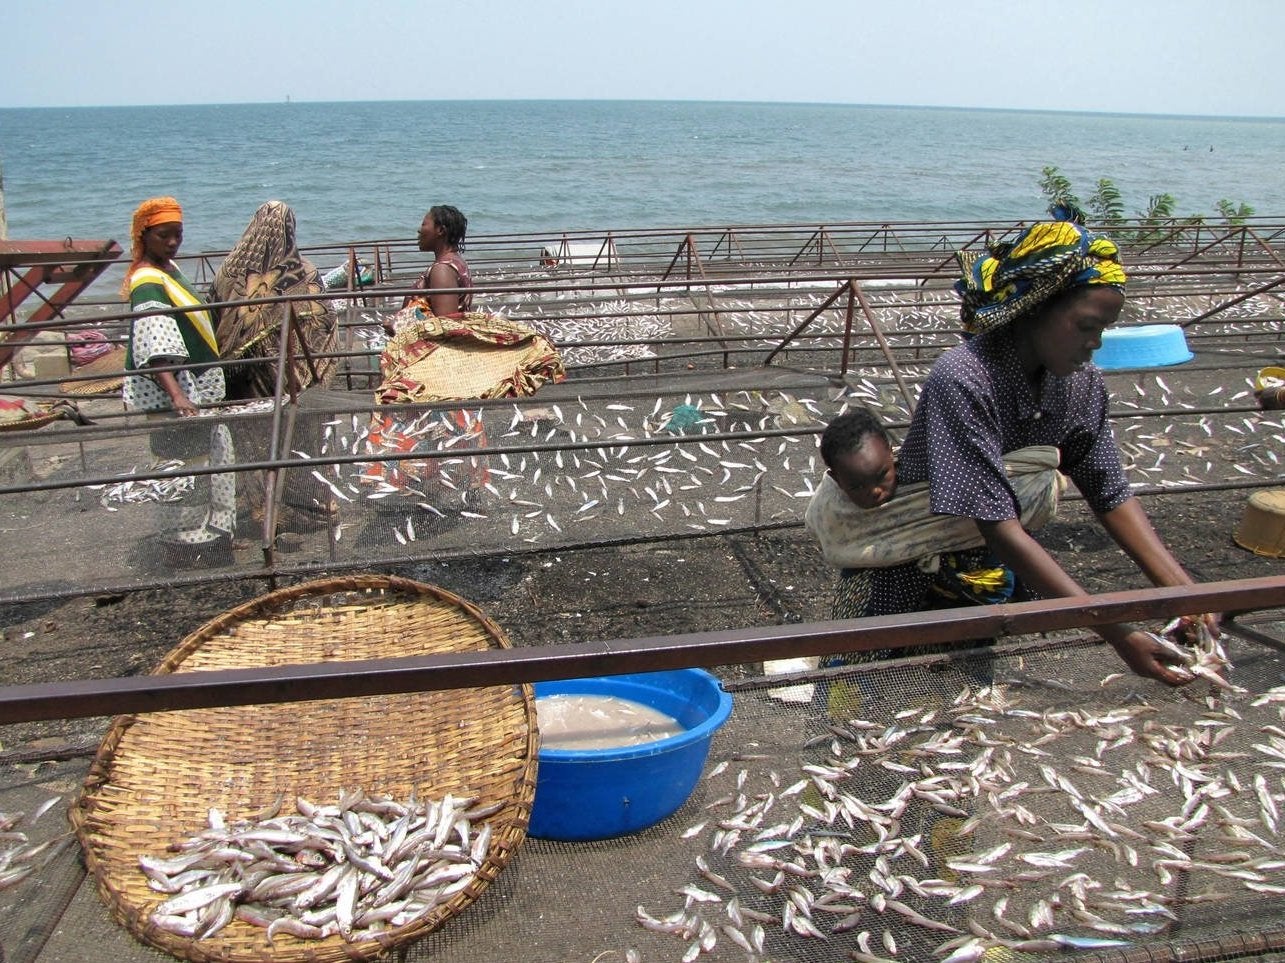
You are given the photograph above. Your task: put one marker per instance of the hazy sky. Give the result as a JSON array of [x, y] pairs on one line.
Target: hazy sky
[[1145, 56]]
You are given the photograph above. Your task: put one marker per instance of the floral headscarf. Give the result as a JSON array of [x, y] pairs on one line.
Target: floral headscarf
[[1046, 259]]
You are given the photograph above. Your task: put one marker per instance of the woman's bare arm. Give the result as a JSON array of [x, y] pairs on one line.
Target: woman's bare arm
[[442, 275], [1131, 529], [1038, 570]]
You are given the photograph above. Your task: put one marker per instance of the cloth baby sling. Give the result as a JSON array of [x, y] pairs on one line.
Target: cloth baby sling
[[905, 529]]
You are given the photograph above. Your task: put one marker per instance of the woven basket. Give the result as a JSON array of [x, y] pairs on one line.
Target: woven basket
[[476, 355], [156, 775], [31, 421], [110, 365]]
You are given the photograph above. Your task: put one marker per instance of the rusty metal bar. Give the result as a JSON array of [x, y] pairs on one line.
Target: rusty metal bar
[[82, 261], [365, 563], [847, 331], [284, 684], [694, 254], [1199, 249], [1277, 282], [640, 246], [682, 246], [806, 245], [883, 343], [804, 324], [588, 445], [834, 250], [1237, 946], [270, 487]]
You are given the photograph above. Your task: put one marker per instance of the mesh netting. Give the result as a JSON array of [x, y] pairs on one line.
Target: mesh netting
[[1024, 803]]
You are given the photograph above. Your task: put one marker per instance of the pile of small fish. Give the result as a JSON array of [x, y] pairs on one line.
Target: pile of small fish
[[690, 479], [729, 468], [141, 491], [611, 321], [981, 823], [1206, 658], [358, 868], [138, 491], [19, 857]]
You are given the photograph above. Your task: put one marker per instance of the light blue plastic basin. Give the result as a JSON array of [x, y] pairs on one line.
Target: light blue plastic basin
[[583, 794], [1142, 346]]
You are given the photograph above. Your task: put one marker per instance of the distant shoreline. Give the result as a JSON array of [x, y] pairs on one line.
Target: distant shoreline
[[289, 102]]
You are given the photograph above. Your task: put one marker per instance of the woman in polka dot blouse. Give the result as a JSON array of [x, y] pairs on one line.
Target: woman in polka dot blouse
[[172, 328], [1033, 312]]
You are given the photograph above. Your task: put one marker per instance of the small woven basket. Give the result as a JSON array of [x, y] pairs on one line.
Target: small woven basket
[[31, 421], [156, 775], [109, 365]]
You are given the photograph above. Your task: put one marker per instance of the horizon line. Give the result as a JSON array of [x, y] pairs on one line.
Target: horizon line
[[288, 100]]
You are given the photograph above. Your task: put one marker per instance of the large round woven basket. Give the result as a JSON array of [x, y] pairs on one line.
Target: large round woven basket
[[157, 775]]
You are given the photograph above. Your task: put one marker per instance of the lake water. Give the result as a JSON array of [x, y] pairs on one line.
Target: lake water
[[362, 171]]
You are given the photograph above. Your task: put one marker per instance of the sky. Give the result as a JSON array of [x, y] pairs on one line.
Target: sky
[[1130, 56]]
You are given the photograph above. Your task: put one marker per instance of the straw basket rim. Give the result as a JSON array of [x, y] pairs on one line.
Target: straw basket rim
[[144, 792], [31, 421], [1262, 524], [111, 365]]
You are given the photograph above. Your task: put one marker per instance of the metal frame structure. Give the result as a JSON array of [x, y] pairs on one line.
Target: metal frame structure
[[772, 283], [25, 266], [195, 690], [770, 266]]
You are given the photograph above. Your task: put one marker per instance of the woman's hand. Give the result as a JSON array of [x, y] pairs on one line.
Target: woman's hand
[[1148, 658], [180, 402], [1187, 627], [183, 405]]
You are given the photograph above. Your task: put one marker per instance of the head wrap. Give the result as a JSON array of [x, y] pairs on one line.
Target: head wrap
[[1047, 258], [267, 244], [156, 210], [153, 211]]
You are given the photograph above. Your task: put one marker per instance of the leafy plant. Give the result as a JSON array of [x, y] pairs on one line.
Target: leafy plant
[[1106, 207], [1232, 214], [1159, 211], [1057, 188], [1106, 203], [1159, 208]]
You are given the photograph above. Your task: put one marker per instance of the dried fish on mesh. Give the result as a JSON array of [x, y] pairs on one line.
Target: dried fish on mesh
[[141, 491], [979, 823], [138, 491], [357, 868], [20, 858], [709, 462]]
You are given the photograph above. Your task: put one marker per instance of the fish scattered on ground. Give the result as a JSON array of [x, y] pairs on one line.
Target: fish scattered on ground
[[983, 822]]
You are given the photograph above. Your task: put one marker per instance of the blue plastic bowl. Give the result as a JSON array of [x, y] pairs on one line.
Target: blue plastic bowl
[[1142, 346], [583, 794]]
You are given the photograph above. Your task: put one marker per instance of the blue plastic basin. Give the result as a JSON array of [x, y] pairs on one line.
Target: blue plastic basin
[[583, 794], [1142, 346]]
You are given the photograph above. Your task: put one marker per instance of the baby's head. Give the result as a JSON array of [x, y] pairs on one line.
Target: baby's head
[[856, 450]]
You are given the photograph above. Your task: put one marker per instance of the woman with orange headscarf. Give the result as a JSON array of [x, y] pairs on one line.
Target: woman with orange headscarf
[[172, 366]]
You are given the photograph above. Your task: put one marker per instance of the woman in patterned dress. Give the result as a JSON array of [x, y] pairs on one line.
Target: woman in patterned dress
[[264, 263], [1033, 313], [171, 329], [441, 233]]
